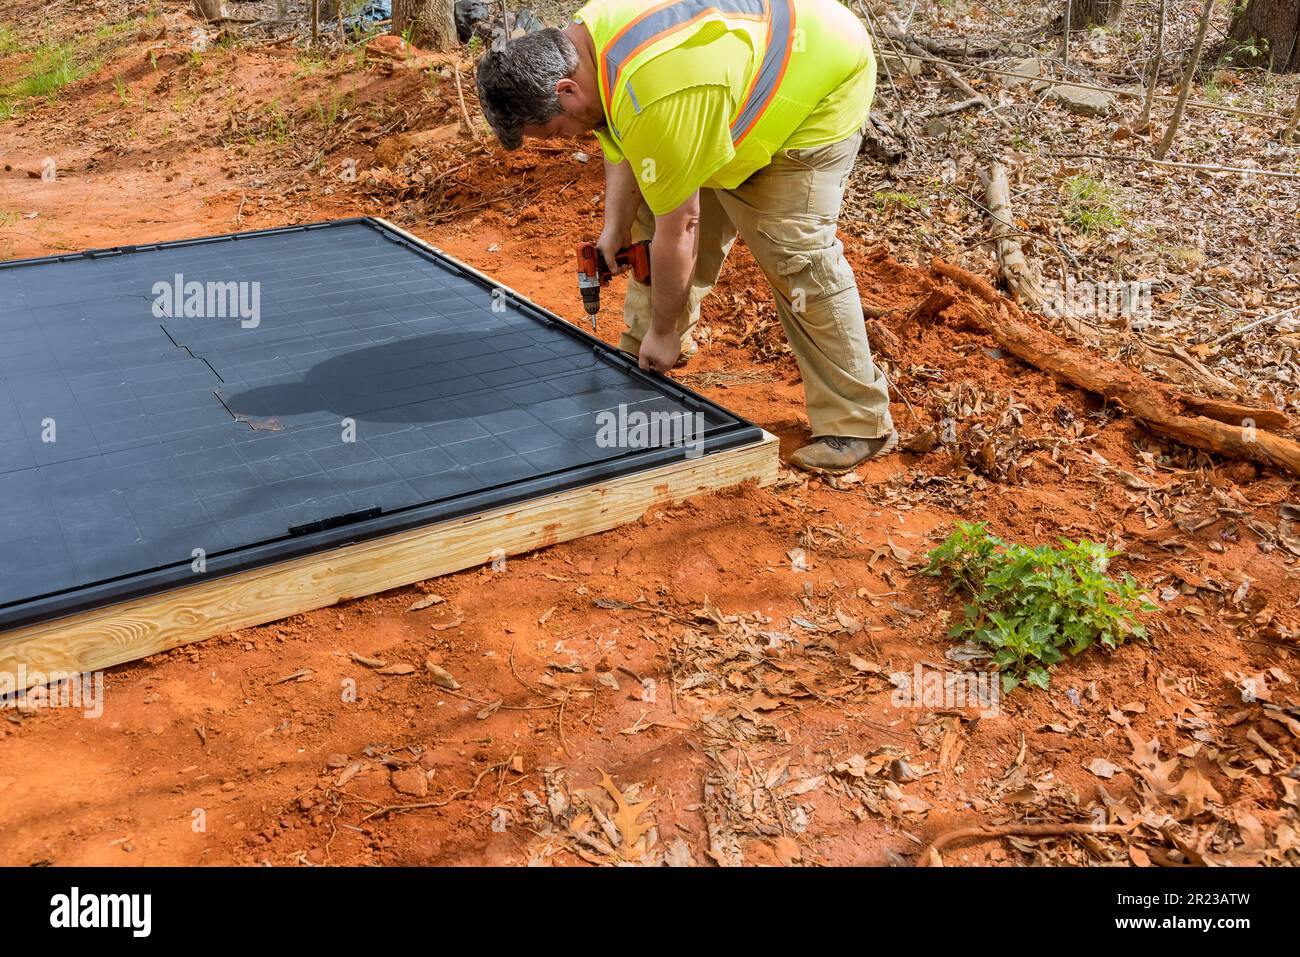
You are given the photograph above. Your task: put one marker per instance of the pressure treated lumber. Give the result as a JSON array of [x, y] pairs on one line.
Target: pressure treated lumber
[[1156, 405], [134, 629]]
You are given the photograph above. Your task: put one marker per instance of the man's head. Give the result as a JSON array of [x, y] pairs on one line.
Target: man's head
[[538, 86]]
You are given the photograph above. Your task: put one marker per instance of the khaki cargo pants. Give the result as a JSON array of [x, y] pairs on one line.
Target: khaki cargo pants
[[787, 213]]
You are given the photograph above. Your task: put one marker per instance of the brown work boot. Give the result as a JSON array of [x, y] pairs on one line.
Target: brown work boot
[[836, 454]]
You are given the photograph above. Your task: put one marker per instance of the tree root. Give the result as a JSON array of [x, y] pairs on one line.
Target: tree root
[[1224, 428], [930, 856]]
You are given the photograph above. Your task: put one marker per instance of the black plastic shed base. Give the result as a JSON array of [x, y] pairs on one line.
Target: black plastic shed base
[[180, 413]]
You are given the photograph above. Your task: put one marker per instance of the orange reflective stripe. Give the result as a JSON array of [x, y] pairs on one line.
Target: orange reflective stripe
[[673, 15], [776, 57]]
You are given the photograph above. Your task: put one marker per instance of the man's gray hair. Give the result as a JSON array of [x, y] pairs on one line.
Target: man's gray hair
[[516, 82]]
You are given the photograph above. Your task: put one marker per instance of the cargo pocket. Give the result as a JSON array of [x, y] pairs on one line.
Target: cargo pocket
[[804, 253]]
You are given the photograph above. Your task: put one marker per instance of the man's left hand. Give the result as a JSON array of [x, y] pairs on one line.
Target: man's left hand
[[659, 351]]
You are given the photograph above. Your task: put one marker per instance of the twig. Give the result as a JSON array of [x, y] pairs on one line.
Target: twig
[[559, 723], [1172, 129], [390, 808], [889, 74], [501, 707], [930, 856], [1204, 167], [1252, 325], [464, 113], [540, 694]]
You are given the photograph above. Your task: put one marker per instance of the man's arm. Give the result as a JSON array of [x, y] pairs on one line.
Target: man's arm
[[672, 257], [622, 200]]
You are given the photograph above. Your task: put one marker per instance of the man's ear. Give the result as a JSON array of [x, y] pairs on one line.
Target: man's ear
[[566, 87]]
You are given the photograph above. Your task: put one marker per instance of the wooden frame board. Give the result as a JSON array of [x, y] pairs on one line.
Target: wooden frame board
[[134, 629]]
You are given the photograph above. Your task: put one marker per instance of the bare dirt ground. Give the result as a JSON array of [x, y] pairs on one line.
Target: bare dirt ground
[[727, 661]]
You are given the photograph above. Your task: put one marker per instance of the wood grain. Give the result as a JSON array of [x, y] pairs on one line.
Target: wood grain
[[134, 629]]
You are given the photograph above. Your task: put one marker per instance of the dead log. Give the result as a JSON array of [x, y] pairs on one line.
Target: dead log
[[1234, 413], [952, 49], [1027, 288], [1155, 404]]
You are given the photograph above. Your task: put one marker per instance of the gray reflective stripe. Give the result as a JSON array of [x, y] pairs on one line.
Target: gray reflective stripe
[[659, 21], [769, 71], [664, 19]]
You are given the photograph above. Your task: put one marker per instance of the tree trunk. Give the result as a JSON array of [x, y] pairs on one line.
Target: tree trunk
[[1271, 28], [1094, 13], [1162, 148], [210, 9], [431, 22]]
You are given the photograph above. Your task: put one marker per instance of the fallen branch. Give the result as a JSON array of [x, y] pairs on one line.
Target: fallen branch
[[1252, 325], [1026, 287], [950, 108], [1158, 406], [1112, 90], [1205, 167], [963, 48], [1021, 278], [930, 856]]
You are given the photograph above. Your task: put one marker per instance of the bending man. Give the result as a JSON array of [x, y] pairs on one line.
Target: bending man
[[718, 118]]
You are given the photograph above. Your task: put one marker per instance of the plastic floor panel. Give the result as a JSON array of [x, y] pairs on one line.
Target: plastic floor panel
[[174, 433]]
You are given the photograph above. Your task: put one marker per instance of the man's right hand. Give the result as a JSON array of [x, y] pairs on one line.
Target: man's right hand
[[612, 241]]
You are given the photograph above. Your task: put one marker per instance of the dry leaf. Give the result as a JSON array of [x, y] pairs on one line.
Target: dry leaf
[[1102, 768], [625, 819], [441, 676], [1195, 788]]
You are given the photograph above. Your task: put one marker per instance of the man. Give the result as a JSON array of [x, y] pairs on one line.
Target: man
[[718, 118]]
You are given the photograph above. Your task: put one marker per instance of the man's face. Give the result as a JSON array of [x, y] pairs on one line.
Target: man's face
[[582, 113], [562, 125]]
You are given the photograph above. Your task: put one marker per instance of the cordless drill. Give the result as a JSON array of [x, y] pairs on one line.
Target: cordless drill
[[594, 273]]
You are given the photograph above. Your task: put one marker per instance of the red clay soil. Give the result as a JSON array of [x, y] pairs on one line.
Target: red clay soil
[[288, 772]]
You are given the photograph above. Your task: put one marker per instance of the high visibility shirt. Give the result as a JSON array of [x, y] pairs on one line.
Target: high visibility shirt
[[703, 93]]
